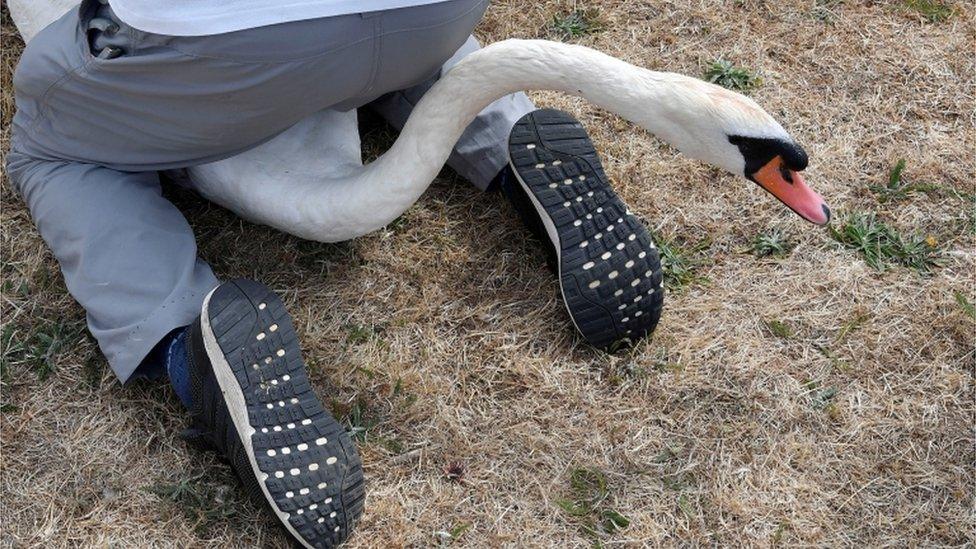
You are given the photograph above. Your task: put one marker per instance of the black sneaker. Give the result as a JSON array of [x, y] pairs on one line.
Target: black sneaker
[[252, 402], [608, 268]]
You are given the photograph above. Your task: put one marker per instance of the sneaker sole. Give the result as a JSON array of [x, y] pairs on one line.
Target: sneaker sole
[[307, 467], [609, 270]]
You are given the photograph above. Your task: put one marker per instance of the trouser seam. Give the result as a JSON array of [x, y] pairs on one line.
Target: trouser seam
[[42, 103], [377, 44]]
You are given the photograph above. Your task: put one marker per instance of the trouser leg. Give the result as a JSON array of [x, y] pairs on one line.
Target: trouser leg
[[128, 255], [482, 150], [92, 129]]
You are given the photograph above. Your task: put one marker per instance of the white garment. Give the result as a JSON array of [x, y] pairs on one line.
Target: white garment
[[206, 17]]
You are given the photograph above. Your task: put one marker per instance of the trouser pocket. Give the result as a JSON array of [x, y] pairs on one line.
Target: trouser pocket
[[106, 36]]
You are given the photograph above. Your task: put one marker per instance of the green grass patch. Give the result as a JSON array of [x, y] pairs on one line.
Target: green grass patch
[[882, 246], [446, 537], [202, 503], [359, 333], [853, 324], [821, 398], [587, 488], [359, 418], [587, 505], [933, 11], [37, 349], [727, 75], [836, 362], [366, 419], [576, 24], [965, 304], [772, 243], [779, 329], [897, 188], [20, 289], [685, 505], [824, 9], [681, 261]]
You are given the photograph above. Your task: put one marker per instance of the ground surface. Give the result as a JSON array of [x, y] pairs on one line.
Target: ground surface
[[805, 398]]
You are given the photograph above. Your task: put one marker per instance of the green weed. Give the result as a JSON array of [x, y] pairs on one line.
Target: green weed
[[934, 11], [824, 9], [897, 188], [575, 24], [966, 305], [836, 362], [773, 243], [358, 333], [685, 505], [620, 344], [668, 453], [855, 323], [39, 349], [779, 329], [881, 245], [399, 223], [678, 482], [820, 397], [777, 536], [201, 502], [729, 76], [588, 488], [613, 521], [446, 538], [359, 418], [21, 290], [681, 262], [92, 370], [588, 492]]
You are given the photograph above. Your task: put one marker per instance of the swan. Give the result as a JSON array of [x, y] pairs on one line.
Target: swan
[[310, 181]]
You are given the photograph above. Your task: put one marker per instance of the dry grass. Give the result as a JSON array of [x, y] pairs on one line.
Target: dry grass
[[804, 399]]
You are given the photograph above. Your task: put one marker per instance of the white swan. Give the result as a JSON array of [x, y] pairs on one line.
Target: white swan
[[310, 182]]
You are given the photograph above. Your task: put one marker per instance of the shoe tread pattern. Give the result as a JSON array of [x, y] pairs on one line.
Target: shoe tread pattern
[[610, 272], [318, 484]]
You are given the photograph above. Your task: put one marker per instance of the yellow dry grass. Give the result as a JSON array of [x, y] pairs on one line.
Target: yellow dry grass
[[445, 339]]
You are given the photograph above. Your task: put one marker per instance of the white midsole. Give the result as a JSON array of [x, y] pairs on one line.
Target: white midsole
[[553, 236], [237, 407]]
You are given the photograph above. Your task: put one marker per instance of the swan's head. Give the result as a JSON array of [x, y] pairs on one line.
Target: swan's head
[[731, 131]]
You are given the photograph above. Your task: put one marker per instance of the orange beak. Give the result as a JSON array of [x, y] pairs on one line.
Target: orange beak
[[789, 187]]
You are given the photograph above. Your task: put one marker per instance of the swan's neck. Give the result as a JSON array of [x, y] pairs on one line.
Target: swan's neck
[[657, 101], [669, 105]]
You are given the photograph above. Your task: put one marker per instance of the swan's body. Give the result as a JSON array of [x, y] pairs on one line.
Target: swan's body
[[30, 16], [309, 181]]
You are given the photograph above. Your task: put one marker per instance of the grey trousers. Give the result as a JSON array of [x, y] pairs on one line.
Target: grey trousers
[[91, 132]]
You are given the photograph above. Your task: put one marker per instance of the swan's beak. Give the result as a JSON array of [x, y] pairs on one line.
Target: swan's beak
[[789, 187]]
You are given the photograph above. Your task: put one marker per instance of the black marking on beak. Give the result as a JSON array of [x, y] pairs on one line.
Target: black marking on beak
[[758, 151], [786, 174]]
